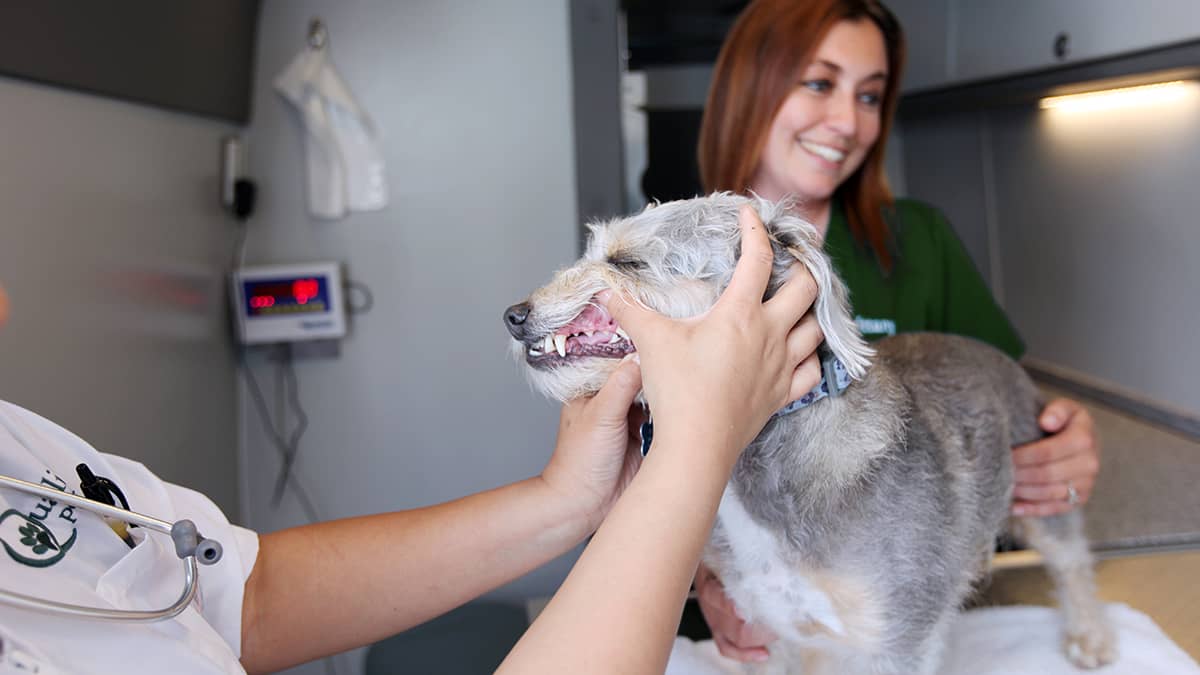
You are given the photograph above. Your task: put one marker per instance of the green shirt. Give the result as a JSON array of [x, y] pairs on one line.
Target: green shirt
[[933, 285]]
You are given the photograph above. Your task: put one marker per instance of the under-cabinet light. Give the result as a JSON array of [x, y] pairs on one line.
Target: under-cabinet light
[[1118, 98]]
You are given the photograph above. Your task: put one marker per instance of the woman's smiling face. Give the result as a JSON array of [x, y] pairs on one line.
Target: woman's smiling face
[[830, 121]]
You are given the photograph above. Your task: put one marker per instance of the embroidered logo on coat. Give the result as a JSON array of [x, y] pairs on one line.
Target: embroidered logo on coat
[[27, 538], [30, 542]]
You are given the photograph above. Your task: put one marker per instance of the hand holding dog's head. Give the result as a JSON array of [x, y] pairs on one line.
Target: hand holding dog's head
[[676, 259]]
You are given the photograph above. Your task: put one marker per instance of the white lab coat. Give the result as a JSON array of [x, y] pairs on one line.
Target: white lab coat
[[87, 563]]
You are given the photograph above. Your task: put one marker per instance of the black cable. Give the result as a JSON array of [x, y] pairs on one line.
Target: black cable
[[368, 297], [292, 391], [276, 437], [245, 193], [239, 247]]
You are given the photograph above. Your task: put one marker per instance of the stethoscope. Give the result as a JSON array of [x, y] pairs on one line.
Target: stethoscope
[[190, 546]]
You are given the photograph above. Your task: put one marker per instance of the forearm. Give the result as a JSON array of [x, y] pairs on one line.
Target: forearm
[[619, 609], [324, 588]]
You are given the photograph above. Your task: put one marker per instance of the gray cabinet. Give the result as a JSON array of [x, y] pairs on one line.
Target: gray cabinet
[[926, 26], [961, 41], [195, 57]]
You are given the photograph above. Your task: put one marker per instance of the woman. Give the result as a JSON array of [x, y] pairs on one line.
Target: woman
[[806, 93]]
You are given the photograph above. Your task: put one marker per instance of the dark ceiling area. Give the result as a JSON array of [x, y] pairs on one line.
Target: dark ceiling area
[[674, 32]]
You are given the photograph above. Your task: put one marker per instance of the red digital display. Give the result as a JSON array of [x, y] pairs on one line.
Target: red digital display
[[304, 290], [281, 296]]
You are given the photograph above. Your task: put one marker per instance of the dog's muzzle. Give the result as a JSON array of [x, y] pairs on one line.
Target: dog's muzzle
[[593, 333]]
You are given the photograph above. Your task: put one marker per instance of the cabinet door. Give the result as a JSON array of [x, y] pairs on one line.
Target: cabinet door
[[996, 38], [925, 24], [1102, 28]]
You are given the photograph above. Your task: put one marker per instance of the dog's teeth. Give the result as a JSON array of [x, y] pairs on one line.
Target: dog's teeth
[[614, 338], [534, 352], [589, 333], [621, 332], [560, 344], [548, 346]]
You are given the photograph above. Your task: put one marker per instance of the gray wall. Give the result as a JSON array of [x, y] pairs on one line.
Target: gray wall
[[112, 245], [1099, 240], [1091, 222], [474, 104], [596, 77]]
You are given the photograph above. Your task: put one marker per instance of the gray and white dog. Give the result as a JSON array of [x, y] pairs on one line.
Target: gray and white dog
[[854, 527]]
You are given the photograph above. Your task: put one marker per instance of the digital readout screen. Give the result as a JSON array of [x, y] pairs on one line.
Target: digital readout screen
[[270, 297]]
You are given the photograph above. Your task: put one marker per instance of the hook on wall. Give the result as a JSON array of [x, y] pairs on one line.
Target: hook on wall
[[318, 36]]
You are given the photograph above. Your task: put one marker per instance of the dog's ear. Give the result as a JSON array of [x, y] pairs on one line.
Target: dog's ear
[[794, 239]]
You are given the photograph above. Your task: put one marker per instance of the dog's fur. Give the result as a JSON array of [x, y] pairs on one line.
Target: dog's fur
[[855, 527]]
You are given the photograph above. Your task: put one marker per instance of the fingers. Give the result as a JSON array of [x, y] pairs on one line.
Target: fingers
[[1040, 509], [1042, 489], [1057, 413], [753, 270], [735, 639], [1057, 502], [620, 389], [732, 651], [1074, 440], [1050, 449], [807, 376], [794, 298], [1044, 469], [1053, 492], [1077, 468], [804, 339], [633, 318]]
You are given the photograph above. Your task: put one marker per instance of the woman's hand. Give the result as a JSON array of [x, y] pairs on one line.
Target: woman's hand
[[720, 375], [1048, 471], [735, 638], [599, 444]]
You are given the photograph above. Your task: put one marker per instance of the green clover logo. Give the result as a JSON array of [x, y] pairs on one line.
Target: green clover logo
[[29, 542], [38, 538]]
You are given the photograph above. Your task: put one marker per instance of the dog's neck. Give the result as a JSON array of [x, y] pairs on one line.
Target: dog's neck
[[810, 458]]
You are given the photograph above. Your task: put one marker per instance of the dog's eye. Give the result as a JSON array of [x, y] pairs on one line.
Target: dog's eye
[[626, 263]]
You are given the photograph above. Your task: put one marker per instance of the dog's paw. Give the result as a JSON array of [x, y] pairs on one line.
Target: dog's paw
[[1091, 648]]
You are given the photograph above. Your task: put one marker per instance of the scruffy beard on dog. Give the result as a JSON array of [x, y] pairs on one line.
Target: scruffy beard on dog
[[854, 527]]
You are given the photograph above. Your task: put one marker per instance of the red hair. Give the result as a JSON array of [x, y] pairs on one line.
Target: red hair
[[755, 73]]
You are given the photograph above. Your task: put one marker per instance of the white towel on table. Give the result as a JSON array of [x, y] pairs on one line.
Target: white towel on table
[[1004, 641]]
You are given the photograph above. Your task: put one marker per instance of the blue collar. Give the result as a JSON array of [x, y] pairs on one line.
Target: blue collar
[[832, 370]]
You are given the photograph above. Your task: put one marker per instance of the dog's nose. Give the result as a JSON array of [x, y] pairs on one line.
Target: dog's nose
[[514, 319]]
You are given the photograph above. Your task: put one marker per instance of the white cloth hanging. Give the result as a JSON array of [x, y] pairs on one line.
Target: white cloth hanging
[[344, 160]]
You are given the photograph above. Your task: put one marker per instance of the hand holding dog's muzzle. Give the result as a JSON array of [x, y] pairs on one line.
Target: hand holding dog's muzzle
[[597, 451], [724, 372]]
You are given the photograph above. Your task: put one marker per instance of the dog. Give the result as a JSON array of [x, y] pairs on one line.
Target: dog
[[855, 527]]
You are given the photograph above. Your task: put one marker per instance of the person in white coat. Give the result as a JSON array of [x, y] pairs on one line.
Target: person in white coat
[[287, 597]]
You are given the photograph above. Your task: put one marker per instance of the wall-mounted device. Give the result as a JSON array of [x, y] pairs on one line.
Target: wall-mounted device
[[289, 303]]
